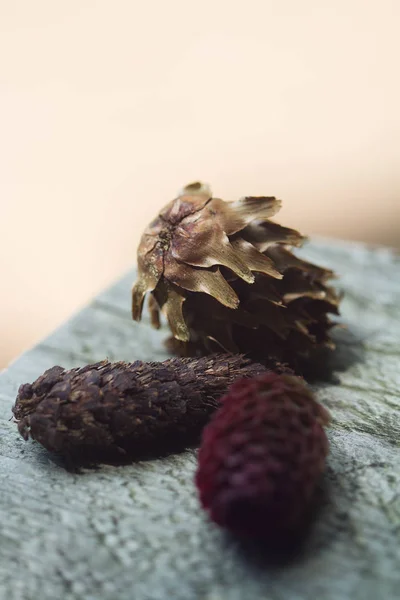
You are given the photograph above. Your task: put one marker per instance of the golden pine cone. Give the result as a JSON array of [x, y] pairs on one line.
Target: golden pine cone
[[225, 278]]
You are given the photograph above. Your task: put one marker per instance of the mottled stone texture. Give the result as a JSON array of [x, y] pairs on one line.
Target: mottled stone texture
[[136, 531]]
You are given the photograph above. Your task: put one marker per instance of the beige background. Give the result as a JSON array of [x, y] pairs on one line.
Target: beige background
[[108, 107]]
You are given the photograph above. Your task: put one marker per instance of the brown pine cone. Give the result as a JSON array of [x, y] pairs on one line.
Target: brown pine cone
[[224, 276], [136, 408]]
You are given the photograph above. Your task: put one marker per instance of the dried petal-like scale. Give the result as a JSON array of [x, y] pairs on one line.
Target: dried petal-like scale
[[224, 276], [137, 408]]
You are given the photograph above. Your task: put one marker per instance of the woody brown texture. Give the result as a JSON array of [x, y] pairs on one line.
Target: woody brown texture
[[225, 278], [134, 408]]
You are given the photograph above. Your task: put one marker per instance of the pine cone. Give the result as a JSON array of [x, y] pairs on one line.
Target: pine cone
[[224, 276], [138, 408], [262, 455]]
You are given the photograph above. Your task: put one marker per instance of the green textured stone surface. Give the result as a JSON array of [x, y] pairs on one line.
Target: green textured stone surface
[[136, 532]]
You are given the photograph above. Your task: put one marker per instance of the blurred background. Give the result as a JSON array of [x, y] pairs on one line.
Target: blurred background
[[108, 108]]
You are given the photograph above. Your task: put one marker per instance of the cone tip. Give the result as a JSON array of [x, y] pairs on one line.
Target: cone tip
[[196, 188]]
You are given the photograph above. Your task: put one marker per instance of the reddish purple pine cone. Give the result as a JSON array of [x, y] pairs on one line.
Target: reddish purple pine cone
[[262, 455]]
